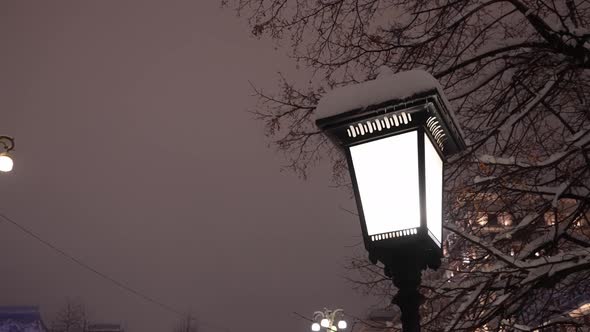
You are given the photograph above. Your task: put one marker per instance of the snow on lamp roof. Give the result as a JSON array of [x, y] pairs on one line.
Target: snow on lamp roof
[[386, 87]]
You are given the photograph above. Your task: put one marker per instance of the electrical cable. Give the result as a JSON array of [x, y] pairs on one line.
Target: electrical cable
[[103, 275]]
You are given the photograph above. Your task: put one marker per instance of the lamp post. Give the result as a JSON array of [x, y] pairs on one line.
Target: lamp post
[[396, 132], [331, 320], [6, 162]]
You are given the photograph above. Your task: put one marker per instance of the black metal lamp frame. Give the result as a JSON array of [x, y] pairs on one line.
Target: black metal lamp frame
[[404, 257]]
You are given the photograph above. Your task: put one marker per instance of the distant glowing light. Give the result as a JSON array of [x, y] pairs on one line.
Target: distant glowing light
[[6, 163]]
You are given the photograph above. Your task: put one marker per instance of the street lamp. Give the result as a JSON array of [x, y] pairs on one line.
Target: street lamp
[[396, 133], [331, 320], [6, 162]]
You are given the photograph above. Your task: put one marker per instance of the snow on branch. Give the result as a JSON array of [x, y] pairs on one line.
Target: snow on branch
[[483, 179], [560, 320], [578, 135], [504, 161], [524, 222], [544, 240], [511, 161], [557, 321], [481, 81], [500, 49], [555, 193], [558, 192], [484, 245], [538, 98], [519, 327], [465, 305], [554, 266]]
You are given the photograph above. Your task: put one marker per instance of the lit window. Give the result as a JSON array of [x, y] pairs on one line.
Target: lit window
[[549, 218], [505, 219], [482, 218]]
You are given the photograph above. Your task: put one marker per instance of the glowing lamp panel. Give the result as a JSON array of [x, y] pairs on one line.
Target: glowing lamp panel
[[434, 190], [386, 173]]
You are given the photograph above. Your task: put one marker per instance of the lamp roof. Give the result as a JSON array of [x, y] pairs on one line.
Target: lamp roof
[[401, 92]]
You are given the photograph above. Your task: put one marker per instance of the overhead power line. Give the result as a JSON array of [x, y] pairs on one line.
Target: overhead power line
[[104, 275]]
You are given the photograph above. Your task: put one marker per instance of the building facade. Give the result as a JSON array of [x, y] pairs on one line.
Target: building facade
[[21, 319]]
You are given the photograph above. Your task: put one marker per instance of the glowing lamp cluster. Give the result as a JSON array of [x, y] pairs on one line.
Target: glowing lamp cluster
[[330, 320], [395, 149]]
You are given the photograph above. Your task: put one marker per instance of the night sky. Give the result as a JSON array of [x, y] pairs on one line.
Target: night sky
[[135, 153]]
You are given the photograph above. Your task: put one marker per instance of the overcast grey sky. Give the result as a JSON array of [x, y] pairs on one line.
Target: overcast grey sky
[[135, 153]]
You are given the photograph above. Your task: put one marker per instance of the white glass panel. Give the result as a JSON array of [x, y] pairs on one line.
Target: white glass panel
[[434, 190], [387, 176]]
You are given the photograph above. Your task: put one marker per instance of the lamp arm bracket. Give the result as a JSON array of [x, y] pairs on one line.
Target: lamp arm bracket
[[8, 142]]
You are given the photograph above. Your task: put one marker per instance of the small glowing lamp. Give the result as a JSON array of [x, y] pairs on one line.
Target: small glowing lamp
[[6, 162], [315, 327], [325, 322], [342, 324]]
